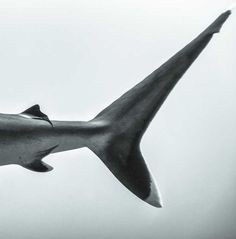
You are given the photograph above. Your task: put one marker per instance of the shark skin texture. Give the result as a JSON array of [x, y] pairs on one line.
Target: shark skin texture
[[114, 135]]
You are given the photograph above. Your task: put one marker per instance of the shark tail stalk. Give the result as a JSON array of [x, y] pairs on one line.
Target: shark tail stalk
[[127, 118]]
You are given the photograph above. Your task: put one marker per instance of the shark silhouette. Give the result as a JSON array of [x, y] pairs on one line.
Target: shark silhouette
[[114, 135]]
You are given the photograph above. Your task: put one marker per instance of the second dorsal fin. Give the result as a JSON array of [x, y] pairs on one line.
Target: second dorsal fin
[[35, 113]]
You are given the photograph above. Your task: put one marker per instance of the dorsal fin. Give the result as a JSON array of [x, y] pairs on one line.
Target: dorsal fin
[[35, 113]]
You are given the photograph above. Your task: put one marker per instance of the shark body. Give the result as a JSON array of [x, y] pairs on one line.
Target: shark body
[[114, 135]]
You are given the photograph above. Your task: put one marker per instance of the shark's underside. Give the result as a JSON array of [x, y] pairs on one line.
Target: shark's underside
[[114, 135]]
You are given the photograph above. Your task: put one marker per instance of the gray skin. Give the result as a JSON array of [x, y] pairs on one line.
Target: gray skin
[[22, 137], [114, 135]]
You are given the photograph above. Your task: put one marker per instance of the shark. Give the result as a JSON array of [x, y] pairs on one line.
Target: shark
[[114, 134]]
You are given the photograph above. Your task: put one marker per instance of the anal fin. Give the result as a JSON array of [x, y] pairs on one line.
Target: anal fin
[[37, 164]]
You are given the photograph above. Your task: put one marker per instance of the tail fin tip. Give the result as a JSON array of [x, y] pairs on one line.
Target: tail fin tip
[[216, 26], [154, 198]]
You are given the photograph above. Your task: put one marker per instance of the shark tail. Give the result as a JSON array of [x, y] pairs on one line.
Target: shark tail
[[127, 118]]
